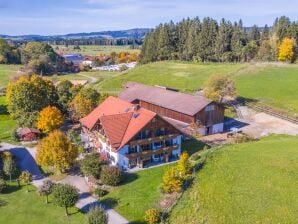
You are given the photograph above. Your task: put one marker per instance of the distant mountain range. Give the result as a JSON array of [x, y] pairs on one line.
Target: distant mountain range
[[138, 33]]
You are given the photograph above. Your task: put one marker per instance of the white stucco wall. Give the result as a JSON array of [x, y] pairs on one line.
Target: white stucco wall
[[217, 128]]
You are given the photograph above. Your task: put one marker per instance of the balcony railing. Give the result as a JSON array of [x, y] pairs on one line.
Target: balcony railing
[[152, 152], [152, 140]]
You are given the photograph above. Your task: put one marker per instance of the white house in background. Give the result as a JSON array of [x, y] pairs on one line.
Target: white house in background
[[129, 135]]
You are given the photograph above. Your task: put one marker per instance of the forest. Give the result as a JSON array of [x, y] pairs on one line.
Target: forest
[[209, 41]]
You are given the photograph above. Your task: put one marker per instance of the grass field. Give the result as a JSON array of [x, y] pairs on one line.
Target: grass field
[[6, 72], [253, 182], [18, 206], [93, 50], [188, 77], [139, 192], [7, 125], [275, 85]]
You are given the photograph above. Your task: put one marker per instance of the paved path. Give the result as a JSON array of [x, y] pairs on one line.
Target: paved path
[[92, 79], [262, 124], [26, 158]]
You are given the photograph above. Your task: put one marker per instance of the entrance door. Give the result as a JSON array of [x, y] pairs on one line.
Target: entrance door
[[209, 130]]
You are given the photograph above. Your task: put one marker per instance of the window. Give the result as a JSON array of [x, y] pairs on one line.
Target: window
[[158, 145], [132, 149], [210, 108], [146, 147]]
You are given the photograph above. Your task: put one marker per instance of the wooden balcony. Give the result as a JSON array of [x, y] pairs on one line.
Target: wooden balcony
[[151, 152], [152, 140]]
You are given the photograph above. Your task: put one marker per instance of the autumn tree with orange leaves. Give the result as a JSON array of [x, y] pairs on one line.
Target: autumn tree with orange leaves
[[56, 151], [286, 50], [49, 119]]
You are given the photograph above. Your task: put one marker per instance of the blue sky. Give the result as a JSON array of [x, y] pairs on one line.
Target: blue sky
[[71, 16]]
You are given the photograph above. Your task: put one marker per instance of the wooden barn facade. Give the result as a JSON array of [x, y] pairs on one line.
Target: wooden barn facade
[[178, 108]]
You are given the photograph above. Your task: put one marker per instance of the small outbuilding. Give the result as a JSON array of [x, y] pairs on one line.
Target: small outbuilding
[[29, 134]]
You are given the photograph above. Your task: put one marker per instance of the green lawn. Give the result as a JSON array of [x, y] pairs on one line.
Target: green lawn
[[93, 50], [252, 182], [19, 207], [6, 72], [188, 77], [139, 192], [272, 84], [7, 125], [276, 86]]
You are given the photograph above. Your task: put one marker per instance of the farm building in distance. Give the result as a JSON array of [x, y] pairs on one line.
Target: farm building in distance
[[182, 110], [129, 135]]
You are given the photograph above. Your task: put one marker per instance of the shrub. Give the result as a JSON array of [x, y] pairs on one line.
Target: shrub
[[240, 138], [97, 215], [171, 181], [100, 192], [2, 185], [111, 175], [91, 165], [152, 216]]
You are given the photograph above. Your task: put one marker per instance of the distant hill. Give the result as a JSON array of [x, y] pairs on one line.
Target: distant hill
[[137, 34]]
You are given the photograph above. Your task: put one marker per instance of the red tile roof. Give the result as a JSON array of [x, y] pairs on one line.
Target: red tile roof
[[180, 102], [25, 131], [120, 121]]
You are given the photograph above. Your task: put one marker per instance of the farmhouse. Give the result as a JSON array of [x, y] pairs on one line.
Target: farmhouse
[[184, 111], [129, 135]]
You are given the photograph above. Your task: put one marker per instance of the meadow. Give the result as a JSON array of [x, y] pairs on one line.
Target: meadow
[[6, 72], [18, 206], [272, 84], [253, 182], [94, 50], [7, 125]]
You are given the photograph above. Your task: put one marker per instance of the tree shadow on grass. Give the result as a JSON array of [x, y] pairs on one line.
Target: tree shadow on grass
[[10, 189], [192, 146], [3, 203], [109, 202], [137, 222], [128, 178], [3, 110]]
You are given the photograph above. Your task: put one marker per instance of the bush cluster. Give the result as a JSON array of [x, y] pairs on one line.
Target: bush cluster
[[111, 175]]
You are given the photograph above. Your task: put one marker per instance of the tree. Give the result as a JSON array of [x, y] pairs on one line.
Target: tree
[[286, 50], [9, 54], [26, 178], [29, 95], [171, 181], [183, 166], [49, 119], [9, 167], [152, 216], [218, 86], [91, 165], [111, 175], [41, 58], [65, 196], [46, 189], [2, 184], [83, 103], [64, 93], [57, 151], [97, 215]]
